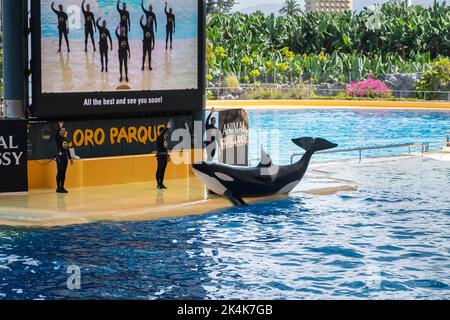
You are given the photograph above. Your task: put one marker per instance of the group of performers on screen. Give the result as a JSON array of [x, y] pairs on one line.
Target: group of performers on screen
[[124, 53]]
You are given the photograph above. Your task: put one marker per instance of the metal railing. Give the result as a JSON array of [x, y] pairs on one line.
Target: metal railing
[[425, 146]]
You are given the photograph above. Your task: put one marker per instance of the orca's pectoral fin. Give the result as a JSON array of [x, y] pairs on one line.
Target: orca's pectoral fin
[[234, 199]]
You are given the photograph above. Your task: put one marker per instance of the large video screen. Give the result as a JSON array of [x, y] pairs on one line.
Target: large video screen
[[108, 56]]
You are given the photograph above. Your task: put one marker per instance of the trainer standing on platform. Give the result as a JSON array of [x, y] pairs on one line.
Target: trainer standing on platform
[[162, 155], [211, 132], [62, 157]]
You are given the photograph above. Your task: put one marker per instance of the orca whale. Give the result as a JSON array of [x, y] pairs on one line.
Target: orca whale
[[235, 183]]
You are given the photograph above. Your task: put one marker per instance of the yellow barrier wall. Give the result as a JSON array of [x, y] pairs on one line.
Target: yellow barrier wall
[[107, 171], [250, 104]]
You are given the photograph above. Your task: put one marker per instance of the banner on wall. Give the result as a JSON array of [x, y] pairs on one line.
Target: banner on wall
[[102, 138], [13, 156], [234, 142]]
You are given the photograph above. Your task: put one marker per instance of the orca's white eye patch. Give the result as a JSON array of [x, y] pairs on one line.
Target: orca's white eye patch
[[223, 176]]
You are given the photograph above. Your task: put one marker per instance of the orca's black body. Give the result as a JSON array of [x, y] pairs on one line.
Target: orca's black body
[[266, 179]]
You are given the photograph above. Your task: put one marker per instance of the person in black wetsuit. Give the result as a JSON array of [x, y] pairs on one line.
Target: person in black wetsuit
[[63, 29], [162, 155], [152, 17], [146, 43], [89, 25], [211, 143], [170, 27], [103, 43], [124, 52], [125, 21], [62, 158]]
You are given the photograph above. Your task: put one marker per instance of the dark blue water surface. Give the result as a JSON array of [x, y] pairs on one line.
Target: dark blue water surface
[[388, 240]]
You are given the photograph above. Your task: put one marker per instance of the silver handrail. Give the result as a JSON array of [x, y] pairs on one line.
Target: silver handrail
[[424, 145]]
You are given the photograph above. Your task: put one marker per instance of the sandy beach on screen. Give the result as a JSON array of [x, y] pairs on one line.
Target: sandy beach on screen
[[79, 71]]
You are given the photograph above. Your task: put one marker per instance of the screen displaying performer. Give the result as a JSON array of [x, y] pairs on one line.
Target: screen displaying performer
[[116, 45]]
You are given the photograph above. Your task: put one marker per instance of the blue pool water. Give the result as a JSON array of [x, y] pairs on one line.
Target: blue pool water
[[348, 128], [186, 12], [388, 240]]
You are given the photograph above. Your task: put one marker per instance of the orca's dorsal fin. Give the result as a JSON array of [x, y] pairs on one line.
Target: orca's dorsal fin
[[266, 160]]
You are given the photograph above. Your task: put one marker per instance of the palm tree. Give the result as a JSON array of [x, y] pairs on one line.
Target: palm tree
[[290, 8]]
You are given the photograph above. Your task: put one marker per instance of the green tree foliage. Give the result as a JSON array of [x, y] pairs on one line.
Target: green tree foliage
[[435, 79], [330, 47], [290, 8], [219, 6]]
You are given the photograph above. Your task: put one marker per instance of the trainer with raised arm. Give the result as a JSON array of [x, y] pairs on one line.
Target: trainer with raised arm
[[153, 22], [125, 21], [146, 43], [63, 29], [170, 26], [103, 43], [89, 25]]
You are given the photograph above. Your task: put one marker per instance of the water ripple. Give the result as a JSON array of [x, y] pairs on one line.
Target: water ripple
[[330, 247]]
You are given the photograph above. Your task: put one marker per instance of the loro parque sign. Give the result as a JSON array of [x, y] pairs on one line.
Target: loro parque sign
[[13, 156]]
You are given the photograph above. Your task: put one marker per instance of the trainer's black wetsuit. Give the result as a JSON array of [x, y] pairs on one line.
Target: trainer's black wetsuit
[[62, 27], [62, 159], [211, 143], [89, 27], [146, 45], [162, 156], [125, 21], [103, 44], [124, 51], [170, 27], [152, 16]]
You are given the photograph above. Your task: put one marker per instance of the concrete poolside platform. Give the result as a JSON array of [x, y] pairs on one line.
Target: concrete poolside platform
[[187, 196], [135, 202]]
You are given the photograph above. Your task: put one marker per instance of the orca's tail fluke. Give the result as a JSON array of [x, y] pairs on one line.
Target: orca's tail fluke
[[305, 143], [318, 144]]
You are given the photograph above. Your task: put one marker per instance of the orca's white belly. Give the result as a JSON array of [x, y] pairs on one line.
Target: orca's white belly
[[212, 183]]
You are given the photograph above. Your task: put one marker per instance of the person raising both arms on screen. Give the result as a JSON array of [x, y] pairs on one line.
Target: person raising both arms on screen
[[124, 51], [63, 29], [152, 17], [89, 25], [146, 43], [103, 43], [170, 27], [125, 21]]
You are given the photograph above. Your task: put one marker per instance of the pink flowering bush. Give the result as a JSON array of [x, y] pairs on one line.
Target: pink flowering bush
[[370, 88]]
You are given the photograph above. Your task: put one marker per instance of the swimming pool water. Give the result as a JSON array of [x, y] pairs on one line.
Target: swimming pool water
[[388, 240], [348, 128]]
